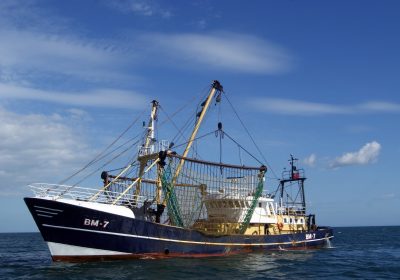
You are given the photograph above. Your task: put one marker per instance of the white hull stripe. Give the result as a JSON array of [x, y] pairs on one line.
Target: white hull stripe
[[51, 209], [46, 212], [58, 249], [47, 216], [186, 241]]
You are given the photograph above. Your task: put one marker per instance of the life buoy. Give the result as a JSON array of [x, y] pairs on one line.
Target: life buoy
[[280, 226]]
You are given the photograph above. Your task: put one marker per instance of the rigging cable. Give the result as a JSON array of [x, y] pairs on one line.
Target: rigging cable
[[252, 139], [105, 164], [102, 152], [197, 138], [173, 123], [187, 124], [243, 149]]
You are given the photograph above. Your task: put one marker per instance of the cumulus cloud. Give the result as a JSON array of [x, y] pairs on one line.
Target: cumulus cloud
[[310, 160], [227, 51], [305, 108], [37, 147], [367, 154]]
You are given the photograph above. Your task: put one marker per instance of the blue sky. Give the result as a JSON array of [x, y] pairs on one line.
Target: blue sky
[[318, 79]]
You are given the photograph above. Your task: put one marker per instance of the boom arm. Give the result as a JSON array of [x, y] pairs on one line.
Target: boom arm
[[216, 87]]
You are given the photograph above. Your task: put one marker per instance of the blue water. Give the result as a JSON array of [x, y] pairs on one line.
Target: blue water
[[358, 252]]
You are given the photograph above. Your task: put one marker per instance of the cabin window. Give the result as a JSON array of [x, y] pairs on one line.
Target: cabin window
[[231, 205], [301, 220], [259, 204], [285, 220], [237, 204], [295, 221], [242, 204], [291, 220]]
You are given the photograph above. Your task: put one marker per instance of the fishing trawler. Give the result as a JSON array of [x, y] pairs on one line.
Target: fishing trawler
[[169, 204]]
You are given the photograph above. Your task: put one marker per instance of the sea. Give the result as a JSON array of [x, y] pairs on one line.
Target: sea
[[354, 253]]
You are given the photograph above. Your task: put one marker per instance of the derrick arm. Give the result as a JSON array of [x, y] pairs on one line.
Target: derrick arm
[[216, 87]]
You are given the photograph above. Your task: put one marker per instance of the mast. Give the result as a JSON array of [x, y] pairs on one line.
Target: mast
[[215, 87], [294, 175], [147, 149]]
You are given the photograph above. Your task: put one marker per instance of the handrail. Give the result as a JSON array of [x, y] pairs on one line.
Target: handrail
[[135, 182], [55, 192], [296, 175]]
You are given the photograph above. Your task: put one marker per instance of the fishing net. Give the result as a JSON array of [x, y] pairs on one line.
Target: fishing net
[[210, 197]]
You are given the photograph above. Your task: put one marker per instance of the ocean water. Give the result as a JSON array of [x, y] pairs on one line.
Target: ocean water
[[356, 253]]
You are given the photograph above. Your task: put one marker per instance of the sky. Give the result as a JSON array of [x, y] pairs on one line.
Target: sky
[[316, 79]]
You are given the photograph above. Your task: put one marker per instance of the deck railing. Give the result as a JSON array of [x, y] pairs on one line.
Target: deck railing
[[55, 191]]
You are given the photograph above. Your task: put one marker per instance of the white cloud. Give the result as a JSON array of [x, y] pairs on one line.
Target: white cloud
[[298, 107], [295, 107], [379, 106], [201, 23], [310, 160], [26, 15], [227, 51], [34, 53], [78, 114], [96, 98], [388, 196], [40, 44], [139, 7], [37, 147], [37, 63], [367, 154]]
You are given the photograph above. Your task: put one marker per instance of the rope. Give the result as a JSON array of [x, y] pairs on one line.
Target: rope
[[195, 139], [174, 212], [233, 140], [102, 152], [252, 139], [250, 211], [105, 164], [173, 123]]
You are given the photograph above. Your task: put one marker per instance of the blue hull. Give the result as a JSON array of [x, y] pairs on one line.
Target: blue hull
[[134, 238]]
